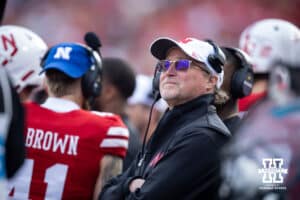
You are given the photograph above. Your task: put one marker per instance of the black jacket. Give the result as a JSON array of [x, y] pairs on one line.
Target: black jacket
[[233, 123], [181, 159]]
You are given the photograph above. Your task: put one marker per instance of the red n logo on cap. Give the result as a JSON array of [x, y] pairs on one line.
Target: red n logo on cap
[[186, 40]]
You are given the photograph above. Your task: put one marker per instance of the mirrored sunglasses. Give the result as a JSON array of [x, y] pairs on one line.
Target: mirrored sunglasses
[[180, 65]]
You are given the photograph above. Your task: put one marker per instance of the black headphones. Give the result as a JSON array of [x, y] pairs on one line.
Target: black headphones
[[155, 84], [91, 81], [216, 60], [242, 78]]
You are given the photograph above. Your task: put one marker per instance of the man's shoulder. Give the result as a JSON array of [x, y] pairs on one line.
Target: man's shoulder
[[105, 116], [209, 126], [209, 122]]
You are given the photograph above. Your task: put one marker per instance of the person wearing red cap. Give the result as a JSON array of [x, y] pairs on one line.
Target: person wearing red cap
[[181, 159]]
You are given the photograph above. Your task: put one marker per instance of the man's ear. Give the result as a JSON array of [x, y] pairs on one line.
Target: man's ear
[[211, 83]]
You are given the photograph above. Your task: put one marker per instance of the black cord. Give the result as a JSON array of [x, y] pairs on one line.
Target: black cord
[[143, 154]]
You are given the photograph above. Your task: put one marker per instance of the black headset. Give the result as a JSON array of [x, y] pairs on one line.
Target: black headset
[[91, 81], [241, 83], [155, 84], [216, 60]]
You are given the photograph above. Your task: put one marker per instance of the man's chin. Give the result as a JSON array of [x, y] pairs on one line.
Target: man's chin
[[169, 95]]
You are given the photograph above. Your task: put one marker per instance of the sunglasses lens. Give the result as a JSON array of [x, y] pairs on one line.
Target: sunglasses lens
[[163, 66], [167, 64], [182, 65]]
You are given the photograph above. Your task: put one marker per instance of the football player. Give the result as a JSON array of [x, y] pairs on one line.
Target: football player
[[71, 152]]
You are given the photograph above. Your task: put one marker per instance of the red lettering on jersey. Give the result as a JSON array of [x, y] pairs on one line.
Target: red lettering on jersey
[[61, 151]]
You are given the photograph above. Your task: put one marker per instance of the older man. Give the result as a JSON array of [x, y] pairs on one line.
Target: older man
[[181, 159]]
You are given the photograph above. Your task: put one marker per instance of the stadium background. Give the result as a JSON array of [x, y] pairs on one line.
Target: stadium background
[[127, 27]]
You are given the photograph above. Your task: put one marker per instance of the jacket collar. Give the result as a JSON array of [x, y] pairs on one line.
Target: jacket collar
[[178, 116], [201, 102]]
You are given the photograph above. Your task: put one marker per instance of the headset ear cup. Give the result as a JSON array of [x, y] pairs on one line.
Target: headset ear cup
[[215, 63], [241, 83], [216, 60], [91, 81], [234, 91], [247, 82], [155, 83]]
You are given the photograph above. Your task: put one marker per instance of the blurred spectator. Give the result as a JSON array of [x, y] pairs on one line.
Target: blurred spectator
[[262, 160], [12, 147], [264, 41], [139, 105], [22, 51], [238, 82], [117, 85]]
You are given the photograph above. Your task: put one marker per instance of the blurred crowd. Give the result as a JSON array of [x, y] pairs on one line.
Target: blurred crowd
[[127, 27]]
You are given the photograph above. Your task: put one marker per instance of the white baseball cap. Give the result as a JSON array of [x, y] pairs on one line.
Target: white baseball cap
[[196, 49]]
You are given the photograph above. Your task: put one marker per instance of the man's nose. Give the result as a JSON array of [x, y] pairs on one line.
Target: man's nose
[[172, 69]]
